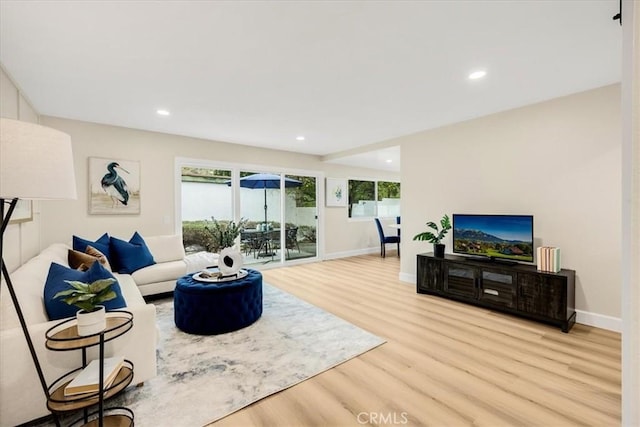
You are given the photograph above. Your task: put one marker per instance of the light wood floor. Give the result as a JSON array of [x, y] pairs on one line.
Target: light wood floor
[[444, 363]]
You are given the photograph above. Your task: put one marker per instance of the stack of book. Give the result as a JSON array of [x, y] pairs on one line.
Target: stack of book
[[88, 380], [548, 259]]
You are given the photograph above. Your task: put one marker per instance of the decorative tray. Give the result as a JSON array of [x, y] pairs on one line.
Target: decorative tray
[[214, 276]]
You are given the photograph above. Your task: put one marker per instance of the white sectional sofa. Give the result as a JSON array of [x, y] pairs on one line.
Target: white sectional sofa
[[171, 263], [21, 395]]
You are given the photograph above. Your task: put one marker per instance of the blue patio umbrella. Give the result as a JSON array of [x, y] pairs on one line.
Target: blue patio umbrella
[[266, 180]]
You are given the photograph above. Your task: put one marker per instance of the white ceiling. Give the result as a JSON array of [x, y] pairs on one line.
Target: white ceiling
[[342, 73]]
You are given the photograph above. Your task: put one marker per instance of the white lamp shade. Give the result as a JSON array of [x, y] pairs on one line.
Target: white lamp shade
[[36, 162]]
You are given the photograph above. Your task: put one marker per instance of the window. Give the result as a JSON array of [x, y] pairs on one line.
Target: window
[[205, 195], [388, 198], [369, 199]]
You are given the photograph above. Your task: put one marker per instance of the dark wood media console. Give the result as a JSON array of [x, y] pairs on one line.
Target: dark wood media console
[[516, 289]]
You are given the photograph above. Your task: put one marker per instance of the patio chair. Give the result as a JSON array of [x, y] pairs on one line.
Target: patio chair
[[386, 239], [291, 239], [272, 240], [251, 242]]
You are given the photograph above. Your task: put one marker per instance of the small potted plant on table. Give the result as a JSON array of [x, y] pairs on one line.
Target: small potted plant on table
[[436, 239], [88, 297], [223, 234]]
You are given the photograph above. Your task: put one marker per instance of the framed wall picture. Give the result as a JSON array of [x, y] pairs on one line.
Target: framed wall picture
[[23, 212], [114, 186], [336, 192]]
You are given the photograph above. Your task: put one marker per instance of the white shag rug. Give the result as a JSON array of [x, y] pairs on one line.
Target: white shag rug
[[204, 378]]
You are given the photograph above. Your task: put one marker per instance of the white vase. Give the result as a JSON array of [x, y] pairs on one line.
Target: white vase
[[230, 261], [91, 322]]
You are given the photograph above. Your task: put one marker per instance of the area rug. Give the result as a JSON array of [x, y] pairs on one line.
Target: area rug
[[204, 378]]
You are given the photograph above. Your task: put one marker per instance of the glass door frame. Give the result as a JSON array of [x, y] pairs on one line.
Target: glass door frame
[[235, 169]]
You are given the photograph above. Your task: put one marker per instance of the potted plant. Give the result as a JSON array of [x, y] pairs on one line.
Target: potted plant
[[223, 234], [436, 239], [88, 297]]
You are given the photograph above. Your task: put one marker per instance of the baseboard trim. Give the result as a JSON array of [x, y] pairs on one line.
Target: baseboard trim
[[355, 252], [599, 320], [583, 317], [409, 278]]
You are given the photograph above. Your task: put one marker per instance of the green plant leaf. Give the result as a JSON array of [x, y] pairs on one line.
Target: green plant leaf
[[87, 295], [106, 295], [99, 285], [222, 234], [445, 225], [65, 293], [86, 306], [427, 235], [72, 300], [81, 286]]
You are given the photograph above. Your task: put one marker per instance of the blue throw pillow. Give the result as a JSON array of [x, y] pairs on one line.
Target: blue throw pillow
[[132, 255], [58, 309], [102, 244]]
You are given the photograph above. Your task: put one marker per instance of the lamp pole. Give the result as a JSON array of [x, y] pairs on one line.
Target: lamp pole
[[5, 273]]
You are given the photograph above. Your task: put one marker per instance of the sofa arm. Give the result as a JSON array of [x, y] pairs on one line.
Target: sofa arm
[[21, 396], [138, 345]]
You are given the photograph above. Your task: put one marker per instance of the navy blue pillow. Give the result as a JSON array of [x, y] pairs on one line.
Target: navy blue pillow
[[102, 244], [132, 255], [58, 309]]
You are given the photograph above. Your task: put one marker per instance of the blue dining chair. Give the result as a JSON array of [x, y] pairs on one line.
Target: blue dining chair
[[386, 239]]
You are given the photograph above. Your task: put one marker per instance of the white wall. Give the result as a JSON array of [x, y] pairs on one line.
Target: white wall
[[558, 160], [21, 241], [157, 153], [199, 203]]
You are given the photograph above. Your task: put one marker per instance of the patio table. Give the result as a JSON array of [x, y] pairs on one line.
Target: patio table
[[261, 240]]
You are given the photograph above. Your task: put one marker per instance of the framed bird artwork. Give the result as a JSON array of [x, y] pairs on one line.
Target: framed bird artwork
[[114, 186]]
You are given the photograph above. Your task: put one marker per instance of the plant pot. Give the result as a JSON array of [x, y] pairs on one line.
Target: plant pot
[[438, 250], [91, 322]]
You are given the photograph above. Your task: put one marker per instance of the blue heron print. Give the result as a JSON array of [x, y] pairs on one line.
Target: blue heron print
[[114, 185]]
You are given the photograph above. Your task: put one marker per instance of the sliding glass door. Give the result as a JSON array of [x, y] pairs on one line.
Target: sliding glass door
[[281, 225], [279, 211], [206, 196], [260, 205], [301, 218]]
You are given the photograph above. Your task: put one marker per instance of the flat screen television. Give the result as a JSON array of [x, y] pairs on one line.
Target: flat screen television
[[508, 237]]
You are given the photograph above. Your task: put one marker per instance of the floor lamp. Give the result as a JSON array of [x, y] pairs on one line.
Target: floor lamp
[[36, 163]]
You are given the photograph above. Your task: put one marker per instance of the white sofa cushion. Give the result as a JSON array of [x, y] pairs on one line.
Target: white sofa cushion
[[35, 273], [160, 272], [200, 260], [165, 248]]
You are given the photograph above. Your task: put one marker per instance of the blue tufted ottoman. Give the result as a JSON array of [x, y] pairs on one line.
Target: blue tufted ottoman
[[215, 308]]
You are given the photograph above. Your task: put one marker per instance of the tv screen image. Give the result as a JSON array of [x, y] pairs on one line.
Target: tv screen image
[[494, 236]]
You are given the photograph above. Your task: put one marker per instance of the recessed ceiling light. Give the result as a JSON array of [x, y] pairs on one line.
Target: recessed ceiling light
[[163, 112], [477, 75], [300, 138], [389, 161]]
